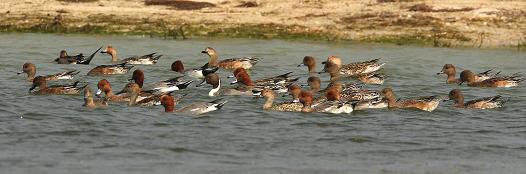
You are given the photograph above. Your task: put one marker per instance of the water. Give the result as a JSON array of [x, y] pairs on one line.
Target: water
[[54, 134]]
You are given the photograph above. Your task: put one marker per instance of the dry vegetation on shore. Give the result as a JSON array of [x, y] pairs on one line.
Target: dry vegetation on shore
[[466, 23]]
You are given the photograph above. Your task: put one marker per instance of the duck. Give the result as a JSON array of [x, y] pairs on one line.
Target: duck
[[89, 102], [214, 80], [64, 58], [306, 101], [134, 91], [165, 86], [196, 108], [481, 103], [110, 69], [310, 63], [278, 83], [333, 70], [450, 71], [147, 59], [354, 68], [371, 78], [232, 63], [495, 82], [105, 87], [333, 104], [30, 69], [294, 105], [374, 103], [427, 103], [314, 83], [197, 73], [41, 83]]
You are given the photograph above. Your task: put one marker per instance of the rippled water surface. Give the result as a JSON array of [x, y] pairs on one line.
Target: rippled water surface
[[55, 134]]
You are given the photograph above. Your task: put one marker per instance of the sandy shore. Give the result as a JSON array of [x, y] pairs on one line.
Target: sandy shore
[[451, 23]]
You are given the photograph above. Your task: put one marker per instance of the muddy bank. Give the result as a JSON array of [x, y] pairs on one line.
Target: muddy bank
[[463, 23]]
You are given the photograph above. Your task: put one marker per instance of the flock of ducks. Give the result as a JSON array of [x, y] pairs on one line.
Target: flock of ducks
[[337, 97]]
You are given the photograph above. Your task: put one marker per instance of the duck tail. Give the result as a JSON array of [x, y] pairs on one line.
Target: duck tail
[[184, 85], [156, 58], [88, 60], [219, 103], [72, 72], [253, 60]]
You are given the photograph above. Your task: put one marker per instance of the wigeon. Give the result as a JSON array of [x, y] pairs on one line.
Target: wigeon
[[30, 69], [450, 71], [90, 102], [354, 68], [310, 63], [306, 101], [333, 104], [194, 108], [428, 103], [495, 82], [165, 86], [41, 83], [481, 103], [105, 87], [232, 63], [109, 69], [277, 83], [198, 73], [64, 58], [137, 60]]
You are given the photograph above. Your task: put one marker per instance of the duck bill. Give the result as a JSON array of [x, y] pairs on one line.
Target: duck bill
[[204, 52], [438, 73], [18, 73], [301, 64], [324, 62]]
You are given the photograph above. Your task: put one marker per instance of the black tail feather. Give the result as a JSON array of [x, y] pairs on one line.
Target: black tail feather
[[88, 60]]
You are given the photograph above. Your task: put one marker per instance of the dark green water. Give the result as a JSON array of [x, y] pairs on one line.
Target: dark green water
[[55, 134]]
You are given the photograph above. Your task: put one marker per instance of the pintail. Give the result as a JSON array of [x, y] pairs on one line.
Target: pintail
[[294, 105], [481, 103], [371, 78], [450, 71], [194, 108], [110, 69], [495, 82], [278, 83], [310, 63], [214, 80], [41, 83], [375, 103], [232, 63], [428, 103], [90, 102], [165, 86], [134, 91], [197, 73], [354, 68], [147, 59], [30, 69], [64, 58]]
